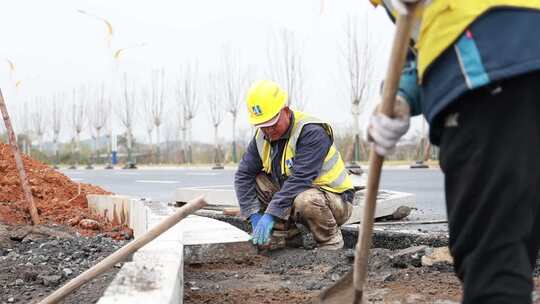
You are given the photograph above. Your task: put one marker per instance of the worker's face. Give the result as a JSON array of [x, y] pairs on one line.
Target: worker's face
[[277, 130]]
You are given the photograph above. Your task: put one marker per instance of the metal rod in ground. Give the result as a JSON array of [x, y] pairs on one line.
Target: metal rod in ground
[[19, 163], [125, 251]]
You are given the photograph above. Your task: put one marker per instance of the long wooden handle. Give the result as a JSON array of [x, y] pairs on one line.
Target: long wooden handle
[[19, 162], [125, 251], [397, 60]]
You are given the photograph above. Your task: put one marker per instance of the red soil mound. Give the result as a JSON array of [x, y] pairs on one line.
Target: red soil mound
[[57, 198]]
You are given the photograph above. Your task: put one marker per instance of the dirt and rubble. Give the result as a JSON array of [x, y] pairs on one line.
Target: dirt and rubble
[[34, 265], [58, 199], [36, 260], [419, 274]]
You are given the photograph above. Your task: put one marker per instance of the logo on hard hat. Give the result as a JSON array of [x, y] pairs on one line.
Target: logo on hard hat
[[256, 110]]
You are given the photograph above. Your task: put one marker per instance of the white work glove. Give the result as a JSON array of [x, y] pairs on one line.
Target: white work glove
[[401, 5], [384, 132]]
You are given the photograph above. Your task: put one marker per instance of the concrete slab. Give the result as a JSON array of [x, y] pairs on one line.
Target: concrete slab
[[217, 197], [387, 201], [155, 274]]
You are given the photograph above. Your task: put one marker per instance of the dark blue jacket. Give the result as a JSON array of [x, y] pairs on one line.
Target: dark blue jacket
[[311, 149], [499, 45]]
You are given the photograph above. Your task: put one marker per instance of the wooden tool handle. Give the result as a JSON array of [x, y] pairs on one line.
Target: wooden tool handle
[[19, 162], [397, 60], [125, 251]]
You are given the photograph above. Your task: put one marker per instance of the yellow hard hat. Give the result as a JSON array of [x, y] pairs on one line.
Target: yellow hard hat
[[265, 99]]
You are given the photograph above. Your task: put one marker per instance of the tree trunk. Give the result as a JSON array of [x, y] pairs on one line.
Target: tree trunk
[[189, 148], [216, 146], [109, 148], [98, 133], [234, 156], [55, 147], [77, 149], [129, 142], [183, 144], [356, 130], [151, 146], [158, 149]]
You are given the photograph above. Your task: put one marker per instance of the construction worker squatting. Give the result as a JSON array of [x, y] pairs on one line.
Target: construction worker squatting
[[291, 172]]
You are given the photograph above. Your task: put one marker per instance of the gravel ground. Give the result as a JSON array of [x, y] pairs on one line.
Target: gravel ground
[[34, 265], [295, 275], [298, 275]]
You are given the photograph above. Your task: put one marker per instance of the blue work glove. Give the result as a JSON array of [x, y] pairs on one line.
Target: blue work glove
[[261, 234], [254, 219]]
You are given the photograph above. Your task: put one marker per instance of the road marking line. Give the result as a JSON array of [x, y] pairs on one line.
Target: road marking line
[[156, 181], [213, 186], [77, 179], [201, 173]]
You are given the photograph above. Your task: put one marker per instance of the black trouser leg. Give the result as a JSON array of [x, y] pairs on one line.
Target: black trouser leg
[[491, 162]]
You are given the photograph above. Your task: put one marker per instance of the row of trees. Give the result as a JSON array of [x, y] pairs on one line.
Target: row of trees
[[100, 109]]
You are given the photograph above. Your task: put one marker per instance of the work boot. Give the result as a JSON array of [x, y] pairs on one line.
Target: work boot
[[335, 243]]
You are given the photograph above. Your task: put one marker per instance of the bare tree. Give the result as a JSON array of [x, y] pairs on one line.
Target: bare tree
[[126, 113], [148, 121], [359, 56], [57, 118], [286, 66], [235, 86], [78, 115], [23, 121], [181, 119], [187, 93], [99, 116], [38, 122], [158, 105], [216, 116]]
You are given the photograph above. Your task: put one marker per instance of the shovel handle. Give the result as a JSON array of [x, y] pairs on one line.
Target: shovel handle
[[398, 54], [125, 251]]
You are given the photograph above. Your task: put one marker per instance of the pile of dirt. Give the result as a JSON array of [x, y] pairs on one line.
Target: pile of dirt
[[36, 265], [58, 199]]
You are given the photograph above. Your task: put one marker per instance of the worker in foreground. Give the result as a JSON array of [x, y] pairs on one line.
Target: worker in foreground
[[291, 172], [476, 79]]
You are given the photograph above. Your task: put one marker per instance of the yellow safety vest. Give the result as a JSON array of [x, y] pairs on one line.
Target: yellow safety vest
[[333, 176], [443, 21]]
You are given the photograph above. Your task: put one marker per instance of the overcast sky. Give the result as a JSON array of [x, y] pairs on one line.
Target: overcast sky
[[55, 49]]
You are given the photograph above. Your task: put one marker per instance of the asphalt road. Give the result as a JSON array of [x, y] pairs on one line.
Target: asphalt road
[[159, 184]]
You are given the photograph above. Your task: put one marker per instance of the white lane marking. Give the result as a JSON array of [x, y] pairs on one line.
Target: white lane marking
[[156, 181], [213, 186], [201, 173], [77, 179]]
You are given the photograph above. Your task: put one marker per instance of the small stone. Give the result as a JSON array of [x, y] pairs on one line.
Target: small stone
[[390, 278], [74, 221], [118, 265], [334, 277], [439, 256], [11, 300], [408, 256], [89, 224], [19, 282], [194, 288], [67, 272], [50, 280]]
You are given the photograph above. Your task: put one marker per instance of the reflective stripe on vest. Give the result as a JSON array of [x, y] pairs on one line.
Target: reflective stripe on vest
[[443, 21], [333, 176]]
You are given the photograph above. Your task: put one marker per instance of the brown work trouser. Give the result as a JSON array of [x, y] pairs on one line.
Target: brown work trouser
[[321, 211]]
